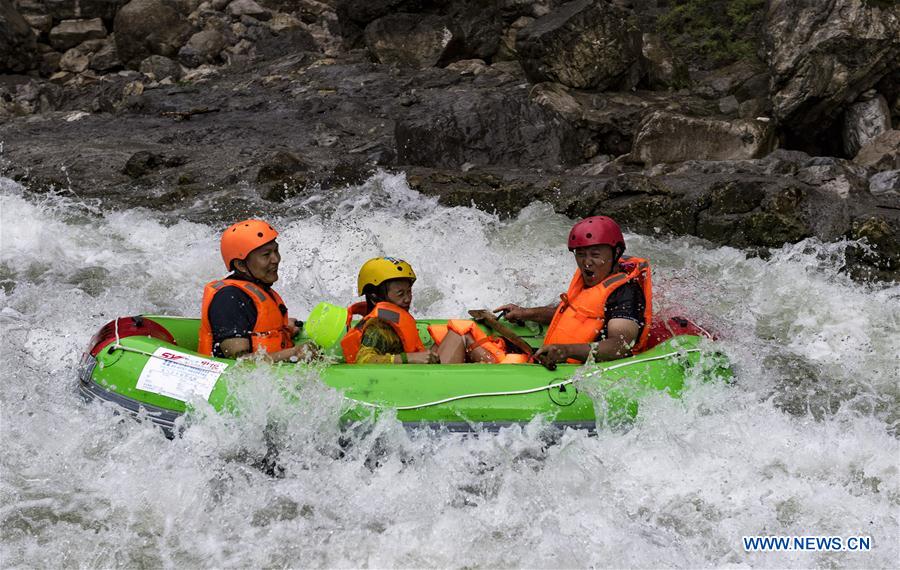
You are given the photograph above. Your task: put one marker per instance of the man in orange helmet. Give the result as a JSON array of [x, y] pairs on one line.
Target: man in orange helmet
[[242, 314]]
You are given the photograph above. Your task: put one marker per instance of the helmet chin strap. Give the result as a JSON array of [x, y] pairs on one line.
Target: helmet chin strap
[[377, 294]]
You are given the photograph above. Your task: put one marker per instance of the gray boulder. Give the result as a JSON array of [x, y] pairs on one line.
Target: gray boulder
[[450, 129], [202, 47], [49, 63], [744, 79], [160, 67], [106, 58], [882, 152], [612, 120], [145, 162], [667, 137], [585, 44], [468, 66], [825, 53], [886, 186], [840, 177], [864, 121], [40, 22], [308, 11], [74, 60], [408, 40], [238, 8], [664, 69], [280, 22], [506, 51], [78, 58], [18, 50], [70, 33], [149, 27], [557, 97], [477, 29], [73, 9]]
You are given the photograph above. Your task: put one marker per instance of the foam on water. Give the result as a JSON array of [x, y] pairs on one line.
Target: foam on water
[[804, 443]]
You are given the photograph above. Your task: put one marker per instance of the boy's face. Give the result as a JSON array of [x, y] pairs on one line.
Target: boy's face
[[399, 292]]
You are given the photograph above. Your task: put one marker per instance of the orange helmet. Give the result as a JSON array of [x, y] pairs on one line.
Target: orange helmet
[[243, 237]]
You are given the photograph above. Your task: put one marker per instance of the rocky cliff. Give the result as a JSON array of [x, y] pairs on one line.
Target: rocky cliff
[[748, 123]]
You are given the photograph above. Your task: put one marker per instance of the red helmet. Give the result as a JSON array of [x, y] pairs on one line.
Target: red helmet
[[597, 230]]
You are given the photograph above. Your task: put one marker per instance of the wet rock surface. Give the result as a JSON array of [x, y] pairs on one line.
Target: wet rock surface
[[70, 33], [666, 137], [882, 152], [824, 54], [864, 121], [149, 27], [487, 103], [584, 44], [411, 40]]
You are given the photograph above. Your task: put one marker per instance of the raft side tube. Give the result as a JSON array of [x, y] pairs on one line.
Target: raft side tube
[[91, 390], [456, 398]]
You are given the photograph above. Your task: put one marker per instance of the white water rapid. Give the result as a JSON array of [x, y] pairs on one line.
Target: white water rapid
[[804, 443]]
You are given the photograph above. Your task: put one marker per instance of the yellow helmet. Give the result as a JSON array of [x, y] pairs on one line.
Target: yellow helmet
[[380, 269]]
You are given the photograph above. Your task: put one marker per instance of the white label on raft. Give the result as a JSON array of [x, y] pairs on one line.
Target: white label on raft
[[179, 375]]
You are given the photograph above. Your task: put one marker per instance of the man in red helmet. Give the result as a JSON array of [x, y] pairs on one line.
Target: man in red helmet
[[242, 314], [608, 305]]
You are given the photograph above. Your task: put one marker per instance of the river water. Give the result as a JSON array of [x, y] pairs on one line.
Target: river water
[[804, 443]]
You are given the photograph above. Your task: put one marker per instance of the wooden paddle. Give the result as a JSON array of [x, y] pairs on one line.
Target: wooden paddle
[[488, 318]]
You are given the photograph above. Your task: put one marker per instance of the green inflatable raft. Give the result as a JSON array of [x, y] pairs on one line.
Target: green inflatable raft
[[148, 365]]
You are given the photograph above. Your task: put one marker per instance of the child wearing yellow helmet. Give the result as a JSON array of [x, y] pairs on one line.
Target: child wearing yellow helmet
[[387, 332]]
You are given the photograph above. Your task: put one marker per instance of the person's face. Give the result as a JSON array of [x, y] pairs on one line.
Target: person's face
[[594, 262], [262, 263], [399, 292]]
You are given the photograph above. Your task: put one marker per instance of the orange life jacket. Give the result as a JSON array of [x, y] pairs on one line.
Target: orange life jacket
[[496, 347], [400, 320], [360, 309], [271, 332], [580, 316]]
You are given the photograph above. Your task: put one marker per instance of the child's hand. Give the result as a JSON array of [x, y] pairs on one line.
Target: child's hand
[[424, 357]]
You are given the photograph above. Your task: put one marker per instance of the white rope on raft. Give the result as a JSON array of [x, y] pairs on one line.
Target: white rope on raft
[[118, 346], [529, 390]]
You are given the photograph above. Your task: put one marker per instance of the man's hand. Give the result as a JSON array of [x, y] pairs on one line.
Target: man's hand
[[513, 313], [303, 352], [293, 327], [235, 347], [552, 354], [516, 314], [240, 347]]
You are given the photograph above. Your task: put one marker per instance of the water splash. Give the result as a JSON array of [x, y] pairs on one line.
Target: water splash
[[804, 442]]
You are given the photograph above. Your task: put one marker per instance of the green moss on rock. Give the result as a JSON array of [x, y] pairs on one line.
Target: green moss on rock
[[713, 33]]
